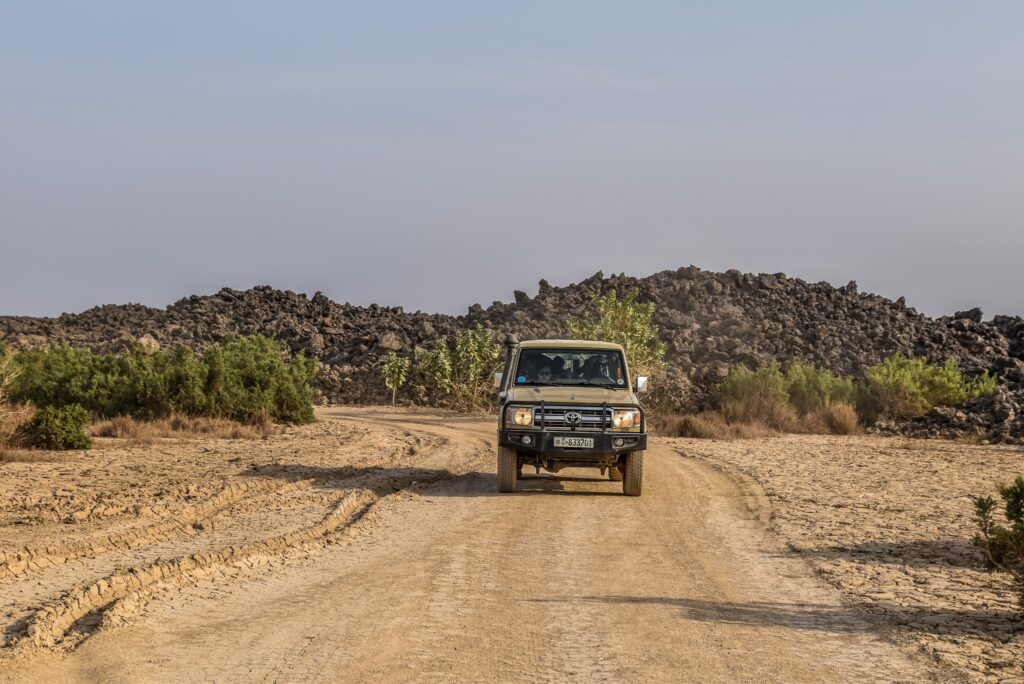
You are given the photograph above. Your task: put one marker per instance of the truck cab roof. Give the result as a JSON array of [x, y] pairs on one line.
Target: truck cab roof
[[569, 344]]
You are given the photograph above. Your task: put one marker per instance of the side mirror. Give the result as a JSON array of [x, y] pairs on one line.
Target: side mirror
[[497, 380], [641, 383]]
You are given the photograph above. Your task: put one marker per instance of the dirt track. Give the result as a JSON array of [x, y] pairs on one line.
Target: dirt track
[[443, 580]]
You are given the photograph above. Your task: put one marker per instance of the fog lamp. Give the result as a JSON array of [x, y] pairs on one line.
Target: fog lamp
[[618, 442], [527, 440]]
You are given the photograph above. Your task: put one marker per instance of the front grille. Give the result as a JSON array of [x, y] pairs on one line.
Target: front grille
[[593, 418]]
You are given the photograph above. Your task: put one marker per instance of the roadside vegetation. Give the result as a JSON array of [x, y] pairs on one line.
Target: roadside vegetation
[[396, 370], [1002, 546], [51, 396], [772, 398], [800, 397], [461, 371]]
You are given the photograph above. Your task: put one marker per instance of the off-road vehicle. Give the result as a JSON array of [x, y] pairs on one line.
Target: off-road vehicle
[[569, 403]]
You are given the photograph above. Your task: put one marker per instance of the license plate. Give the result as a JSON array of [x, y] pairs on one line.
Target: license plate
[[575, 442]]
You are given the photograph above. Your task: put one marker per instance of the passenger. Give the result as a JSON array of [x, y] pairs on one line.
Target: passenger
[[544, 373], [597, 368]]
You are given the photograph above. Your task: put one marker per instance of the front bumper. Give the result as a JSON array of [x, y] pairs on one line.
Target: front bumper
[[544, 442]]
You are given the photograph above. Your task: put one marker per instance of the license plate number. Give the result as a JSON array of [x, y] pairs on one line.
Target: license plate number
[[575, 442]]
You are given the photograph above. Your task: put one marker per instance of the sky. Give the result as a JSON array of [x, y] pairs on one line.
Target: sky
[[435, 155]]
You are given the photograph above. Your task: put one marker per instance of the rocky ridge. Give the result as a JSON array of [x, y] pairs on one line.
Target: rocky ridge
[[709, 321]]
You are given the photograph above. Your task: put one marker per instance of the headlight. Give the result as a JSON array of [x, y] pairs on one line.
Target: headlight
[[626, 418], [519, 415]]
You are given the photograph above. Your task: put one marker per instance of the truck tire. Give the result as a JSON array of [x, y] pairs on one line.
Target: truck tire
[[633, 478], [508, 467], [614, 474]]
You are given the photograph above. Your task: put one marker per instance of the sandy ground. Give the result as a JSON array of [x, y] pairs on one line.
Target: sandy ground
[[371, 547], [890, 522]]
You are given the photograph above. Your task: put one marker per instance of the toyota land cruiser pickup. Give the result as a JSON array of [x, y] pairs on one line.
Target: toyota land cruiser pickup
[[569, 403]]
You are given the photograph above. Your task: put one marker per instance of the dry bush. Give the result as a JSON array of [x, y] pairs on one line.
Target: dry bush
[[840, 418], [124, 427], [178, 426], [708, 425], [11, 416]]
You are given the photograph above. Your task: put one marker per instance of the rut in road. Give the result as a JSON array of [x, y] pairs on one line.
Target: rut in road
[[567, 580]]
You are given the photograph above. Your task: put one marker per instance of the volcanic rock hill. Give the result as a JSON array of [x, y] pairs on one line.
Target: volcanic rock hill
[[709, 322]]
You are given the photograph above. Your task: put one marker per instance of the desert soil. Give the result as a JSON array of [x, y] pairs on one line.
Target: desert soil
[[371, 546]]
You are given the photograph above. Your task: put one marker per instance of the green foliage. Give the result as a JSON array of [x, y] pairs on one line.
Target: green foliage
[[242, 378], [902, 388], [462, 370], [1003, 547], [396, 369], [812, 389], [57, 428], [626, 322], [760, 396]]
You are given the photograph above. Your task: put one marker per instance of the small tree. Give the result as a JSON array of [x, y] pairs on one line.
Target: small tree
[[462, 370], [1003, 547], [396, 368], [626, 322]]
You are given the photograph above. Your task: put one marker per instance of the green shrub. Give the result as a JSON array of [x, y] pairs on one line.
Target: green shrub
[[1003, 547], [811, 389], [242, 378], [759, 397], [56, 428], [902, 388], [462, 370], [248, 376]]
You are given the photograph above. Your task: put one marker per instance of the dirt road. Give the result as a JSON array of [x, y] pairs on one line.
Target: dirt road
[[567, 580]]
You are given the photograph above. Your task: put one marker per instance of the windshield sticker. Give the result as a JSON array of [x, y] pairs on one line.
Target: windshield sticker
[[521, 378], [620, 381]]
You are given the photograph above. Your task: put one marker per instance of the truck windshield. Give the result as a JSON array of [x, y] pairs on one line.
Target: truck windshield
[[571, 367]]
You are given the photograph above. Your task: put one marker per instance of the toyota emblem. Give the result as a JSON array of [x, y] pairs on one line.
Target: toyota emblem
[[573, 418]]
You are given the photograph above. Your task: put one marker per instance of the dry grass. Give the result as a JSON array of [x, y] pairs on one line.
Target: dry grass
[[834, 419], [775, 415], [179, 426], [32, 456], [908, 444], [707, 425]]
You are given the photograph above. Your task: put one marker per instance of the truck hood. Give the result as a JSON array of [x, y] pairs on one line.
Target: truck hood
[[570, 395]]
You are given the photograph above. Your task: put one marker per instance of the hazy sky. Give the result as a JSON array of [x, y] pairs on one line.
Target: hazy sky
[[433, 155]]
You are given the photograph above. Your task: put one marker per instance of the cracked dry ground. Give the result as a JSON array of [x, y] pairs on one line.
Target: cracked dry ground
[[371, 547]]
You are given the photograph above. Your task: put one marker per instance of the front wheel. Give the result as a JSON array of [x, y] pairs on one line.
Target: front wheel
[[633, 477], [508, 468]]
